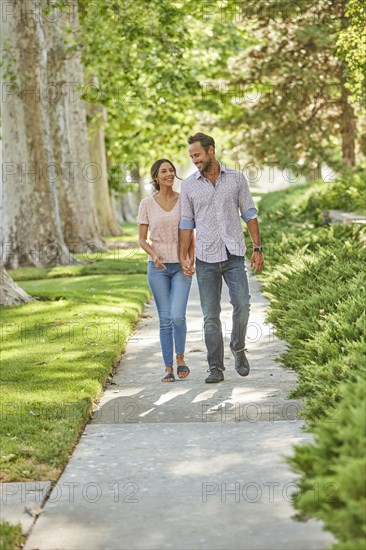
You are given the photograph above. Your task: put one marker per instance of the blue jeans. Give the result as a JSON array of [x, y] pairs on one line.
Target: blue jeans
[[209, 278], [170, 288]]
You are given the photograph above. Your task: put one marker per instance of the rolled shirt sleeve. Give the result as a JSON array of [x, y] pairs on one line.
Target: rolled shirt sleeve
[[186, 210], [247, 207], [250, 214]]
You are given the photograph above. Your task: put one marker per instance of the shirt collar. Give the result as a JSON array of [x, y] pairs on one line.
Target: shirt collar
[[222, 169]]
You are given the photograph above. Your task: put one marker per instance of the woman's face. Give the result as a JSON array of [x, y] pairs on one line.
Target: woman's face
[[166, 175]]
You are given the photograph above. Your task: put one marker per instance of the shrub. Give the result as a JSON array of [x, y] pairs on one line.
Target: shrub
[[332, 469], [315, 280], [347, 193]]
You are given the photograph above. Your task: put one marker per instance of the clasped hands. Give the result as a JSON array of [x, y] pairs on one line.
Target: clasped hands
[[188, 266]]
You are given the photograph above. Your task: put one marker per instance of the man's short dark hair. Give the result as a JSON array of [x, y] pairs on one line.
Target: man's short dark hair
[[205, 140]]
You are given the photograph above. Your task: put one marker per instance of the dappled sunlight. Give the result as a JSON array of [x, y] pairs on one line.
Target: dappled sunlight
[[204, 395], [48, 357], [146, 412], [109, 395], [33, 308], [241, 394], [140, 341], [176, 392], [215, 408], [216, 464]]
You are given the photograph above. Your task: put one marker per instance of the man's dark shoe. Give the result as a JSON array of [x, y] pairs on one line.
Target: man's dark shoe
[[241, 362], [216, 375]]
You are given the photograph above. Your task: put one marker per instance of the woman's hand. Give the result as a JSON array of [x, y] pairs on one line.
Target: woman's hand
[[158, 261]]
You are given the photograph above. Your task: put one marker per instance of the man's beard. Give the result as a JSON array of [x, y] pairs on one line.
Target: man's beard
[[206, 166]]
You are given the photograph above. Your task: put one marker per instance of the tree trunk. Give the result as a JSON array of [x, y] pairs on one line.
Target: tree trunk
[[34, 233], [117, 207], [126, 208], [348, 127], [10, 293], [136, 196], [123, 208], [105, 210], [347, 116], [3, 214], [69, 135]]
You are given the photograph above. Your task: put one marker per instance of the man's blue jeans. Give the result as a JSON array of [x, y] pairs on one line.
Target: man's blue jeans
[[170, 288], [209, 278]]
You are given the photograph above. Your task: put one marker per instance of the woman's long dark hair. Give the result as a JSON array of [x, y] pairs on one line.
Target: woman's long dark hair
[[155, 170]]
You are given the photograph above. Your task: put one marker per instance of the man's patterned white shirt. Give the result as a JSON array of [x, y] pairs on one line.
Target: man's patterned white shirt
[[214, 211]]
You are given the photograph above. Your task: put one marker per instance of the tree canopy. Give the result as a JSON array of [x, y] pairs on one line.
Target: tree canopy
[[283, 81], [291, 97], [151, 60]]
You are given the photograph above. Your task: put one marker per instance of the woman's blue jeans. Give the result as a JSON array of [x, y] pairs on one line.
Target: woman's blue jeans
[[170, 288]]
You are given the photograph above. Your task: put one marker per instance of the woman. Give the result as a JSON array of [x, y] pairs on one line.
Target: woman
[[159, 215]]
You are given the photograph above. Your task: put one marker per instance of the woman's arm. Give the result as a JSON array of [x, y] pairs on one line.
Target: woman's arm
[[143, 229]]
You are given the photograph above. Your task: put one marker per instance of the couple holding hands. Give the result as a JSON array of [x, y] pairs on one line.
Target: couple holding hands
[[210, 202]]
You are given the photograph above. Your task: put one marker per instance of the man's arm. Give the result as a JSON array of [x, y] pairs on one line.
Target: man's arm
[[257, 260], [185, 243], [186, 226], [191, 249], [249, 212]]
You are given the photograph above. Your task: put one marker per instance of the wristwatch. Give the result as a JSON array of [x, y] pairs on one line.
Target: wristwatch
[[258, 249]]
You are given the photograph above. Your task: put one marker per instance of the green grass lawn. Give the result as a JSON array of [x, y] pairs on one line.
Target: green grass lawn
[[57, 353], [122, 261], [10, 536], [129, 233]]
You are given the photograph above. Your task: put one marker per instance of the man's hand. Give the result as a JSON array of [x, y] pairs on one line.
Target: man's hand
[[158, 261], [257, 262]]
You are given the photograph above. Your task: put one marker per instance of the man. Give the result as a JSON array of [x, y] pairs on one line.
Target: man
[[211, 199]]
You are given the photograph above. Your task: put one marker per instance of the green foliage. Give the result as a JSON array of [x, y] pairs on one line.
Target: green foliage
[[332, 469], [316, 276], [315, 279], [347, 193], [267, 79], [140, 69], [150, 58], [10, 536], [351, 44], [324, 289], [287, 94]]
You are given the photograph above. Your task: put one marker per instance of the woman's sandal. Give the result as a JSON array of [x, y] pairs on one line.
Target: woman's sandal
[[183, 368], [169, 377]]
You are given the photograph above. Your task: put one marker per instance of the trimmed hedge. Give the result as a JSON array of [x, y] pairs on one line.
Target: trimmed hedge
[[332, 483], [315, 280]]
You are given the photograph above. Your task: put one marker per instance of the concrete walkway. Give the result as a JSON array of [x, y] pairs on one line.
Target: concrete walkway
[[185, 465]]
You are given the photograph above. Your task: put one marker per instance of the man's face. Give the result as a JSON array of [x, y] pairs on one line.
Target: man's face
[[201, 158]]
